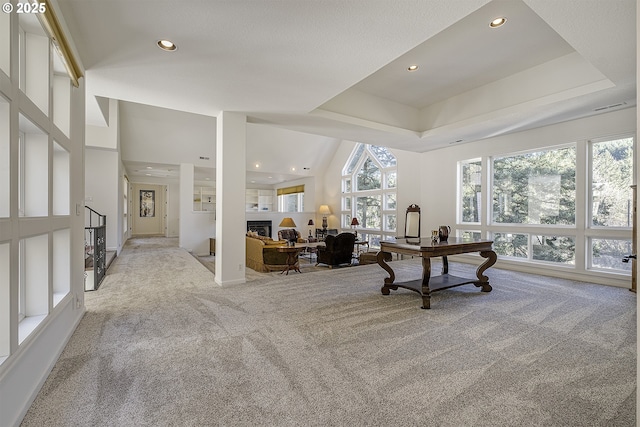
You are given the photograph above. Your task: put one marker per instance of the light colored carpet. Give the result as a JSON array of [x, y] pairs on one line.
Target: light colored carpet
[[305, 265], [162, 345]]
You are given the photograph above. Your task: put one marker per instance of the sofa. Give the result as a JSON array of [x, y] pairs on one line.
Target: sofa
[[262, 254]]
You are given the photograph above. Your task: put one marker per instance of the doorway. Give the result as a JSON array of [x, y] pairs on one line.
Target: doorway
[[148, 216]]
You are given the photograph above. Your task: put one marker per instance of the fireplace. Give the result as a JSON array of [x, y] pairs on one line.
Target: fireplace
[[263, 228]]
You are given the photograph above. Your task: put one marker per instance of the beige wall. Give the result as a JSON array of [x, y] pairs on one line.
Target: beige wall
[[148, 226]]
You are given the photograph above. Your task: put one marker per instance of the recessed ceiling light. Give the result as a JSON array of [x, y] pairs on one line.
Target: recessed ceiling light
[[149, 167], [412, 68], [293, 169], [167, 45], [498, 22], [257, 165]]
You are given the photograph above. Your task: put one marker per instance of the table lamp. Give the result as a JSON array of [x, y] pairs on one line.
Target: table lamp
[[354, 223], [287, 223], [311, 224], [324, 211]]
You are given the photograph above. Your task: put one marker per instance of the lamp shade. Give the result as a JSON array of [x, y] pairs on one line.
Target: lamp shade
[[287, 222], [310, 222], [354, 221], [324, 210]]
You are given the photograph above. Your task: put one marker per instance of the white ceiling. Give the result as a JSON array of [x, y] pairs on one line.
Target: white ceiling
[[338, 68]]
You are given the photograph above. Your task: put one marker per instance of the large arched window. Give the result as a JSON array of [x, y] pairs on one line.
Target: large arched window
[[369, 193]]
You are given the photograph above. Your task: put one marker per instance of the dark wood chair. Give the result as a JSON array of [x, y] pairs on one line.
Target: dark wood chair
[[337, 250], [412, 222]]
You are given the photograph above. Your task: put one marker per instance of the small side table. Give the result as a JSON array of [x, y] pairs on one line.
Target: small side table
[[292, 257]]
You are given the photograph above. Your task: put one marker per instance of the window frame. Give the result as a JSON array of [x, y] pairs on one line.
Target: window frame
[[590, 174], [299, 202], [350, 194], [582, 232]]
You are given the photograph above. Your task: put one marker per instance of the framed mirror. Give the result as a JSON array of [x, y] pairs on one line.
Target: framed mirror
[[412, 222]]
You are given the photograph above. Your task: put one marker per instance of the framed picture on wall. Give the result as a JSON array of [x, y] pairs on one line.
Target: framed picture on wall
[[147, 203]]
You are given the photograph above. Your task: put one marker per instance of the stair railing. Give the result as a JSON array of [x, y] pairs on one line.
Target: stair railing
[[95, 239]]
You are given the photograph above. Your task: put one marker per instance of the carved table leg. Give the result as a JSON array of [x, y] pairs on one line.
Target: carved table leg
[[388, 281], [426, 275], [292, 263], [445, 265], [483, 280]]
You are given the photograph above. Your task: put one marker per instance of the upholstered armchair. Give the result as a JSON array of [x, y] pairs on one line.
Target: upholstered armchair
[[290, 235], [337, 250]]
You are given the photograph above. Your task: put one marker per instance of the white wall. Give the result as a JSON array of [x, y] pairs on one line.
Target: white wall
[[173, 201], [106, 136], [103, 175], [148, 226], [195, 228], [103, 189], [173, 209]]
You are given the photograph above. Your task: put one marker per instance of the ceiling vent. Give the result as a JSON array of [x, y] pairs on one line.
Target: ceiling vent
[[204, 158], [608, 107]]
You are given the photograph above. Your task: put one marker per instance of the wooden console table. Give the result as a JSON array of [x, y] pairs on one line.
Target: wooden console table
[[427, 249]]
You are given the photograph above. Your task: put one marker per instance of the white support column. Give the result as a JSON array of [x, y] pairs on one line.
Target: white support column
[[186, 206], [231, 140]]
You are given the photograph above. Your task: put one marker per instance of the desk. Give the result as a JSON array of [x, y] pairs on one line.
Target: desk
[[427, 249]]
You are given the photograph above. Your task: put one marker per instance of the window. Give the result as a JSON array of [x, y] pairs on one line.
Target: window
[[291, 199], [369, 184], [38, 163], [610, 203], [61, 183], [611, 179], [607, 253], [5, 159], [33, 282], [5, 302], [535, 188], [533, 197], [33, 170], [471, 191]]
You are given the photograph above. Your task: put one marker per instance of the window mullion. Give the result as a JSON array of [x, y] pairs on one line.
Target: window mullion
[[584, 168]]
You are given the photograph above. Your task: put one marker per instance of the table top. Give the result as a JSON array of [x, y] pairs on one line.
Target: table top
[[425, 245], [299, 246]]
